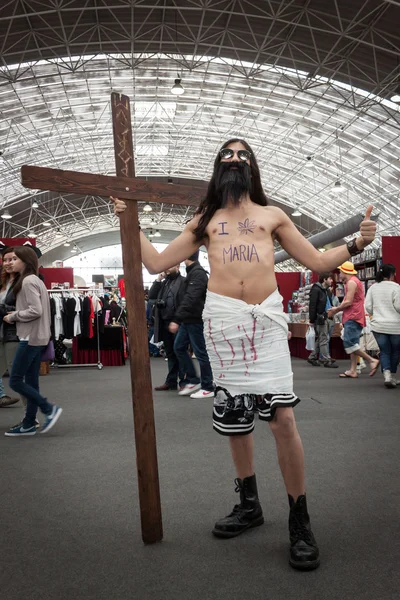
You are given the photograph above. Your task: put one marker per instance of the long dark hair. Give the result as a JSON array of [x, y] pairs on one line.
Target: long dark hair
[[28, 256], [5, 277], [212, 201], [385, 272]]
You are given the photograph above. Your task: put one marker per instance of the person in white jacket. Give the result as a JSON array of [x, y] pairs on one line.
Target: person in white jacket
[[383, 304]]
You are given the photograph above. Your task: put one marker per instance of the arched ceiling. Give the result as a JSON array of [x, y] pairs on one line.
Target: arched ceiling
[[296, 79]]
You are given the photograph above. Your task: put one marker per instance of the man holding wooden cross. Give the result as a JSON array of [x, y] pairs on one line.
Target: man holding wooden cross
[[246, 329]]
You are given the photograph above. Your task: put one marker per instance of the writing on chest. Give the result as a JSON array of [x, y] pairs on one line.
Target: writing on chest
[[246, 227], [240, 253]]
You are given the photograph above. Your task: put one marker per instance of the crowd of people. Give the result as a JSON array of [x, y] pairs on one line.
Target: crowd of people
[[381, 304], [233, 323]]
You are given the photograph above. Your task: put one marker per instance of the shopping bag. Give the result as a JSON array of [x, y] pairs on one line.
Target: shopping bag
[[310, 339], [48, 352]]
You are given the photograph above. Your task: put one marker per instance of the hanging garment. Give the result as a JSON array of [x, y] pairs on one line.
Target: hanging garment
[[86, 307], [58, 318], [70, 313], [77, 321]]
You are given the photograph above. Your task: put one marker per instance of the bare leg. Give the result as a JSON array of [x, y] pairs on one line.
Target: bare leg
[[353, 358], [290, 451], [373, 362], [242, 449]]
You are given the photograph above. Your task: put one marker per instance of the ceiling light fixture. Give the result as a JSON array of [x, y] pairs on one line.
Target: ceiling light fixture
[[74, 249], [46, 224], [6, 215], [147, 208], [31, 234], [396, 96], [178, 89], [338, 187], [35, 204], [59, 234], [157, 234], [296, 213], [67, 244], [309, 161], [151, 234]]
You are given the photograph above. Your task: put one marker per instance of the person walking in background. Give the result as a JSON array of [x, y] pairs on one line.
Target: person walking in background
[[188, 326], [320, 303], [8, 333], [353, 320], [168, 293], [32, 316], [383, 304]]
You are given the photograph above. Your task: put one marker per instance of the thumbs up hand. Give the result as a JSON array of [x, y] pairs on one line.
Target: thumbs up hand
[[367, 230]]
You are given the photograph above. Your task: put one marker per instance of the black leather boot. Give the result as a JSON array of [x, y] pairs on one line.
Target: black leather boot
[[244, 515], [304, 553]]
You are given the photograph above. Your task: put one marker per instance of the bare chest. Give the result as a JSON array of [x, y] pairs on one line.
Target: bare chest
[[242, 239]]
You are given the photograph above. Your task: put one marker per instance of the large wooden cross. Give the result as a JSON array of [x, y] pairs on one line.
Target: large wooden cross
[[126, 186]]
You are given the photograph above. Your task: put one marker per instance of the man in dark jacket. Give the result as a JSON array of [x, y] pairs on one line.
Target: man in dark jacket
[[167, 294], [188, 324], [319, 305]]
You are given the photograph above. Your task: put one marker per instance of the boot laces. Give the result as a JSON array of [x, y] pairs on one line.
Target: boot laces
[[238, 485], [238, 507]]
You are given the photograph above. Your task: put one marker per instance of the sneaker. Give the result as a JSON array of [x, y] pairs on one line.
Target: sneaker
[[189, 388], [19, 430], [331, 365], [314, 362], [37, 424], [202, 394], [7, 401], [389, 383], [51, 419]]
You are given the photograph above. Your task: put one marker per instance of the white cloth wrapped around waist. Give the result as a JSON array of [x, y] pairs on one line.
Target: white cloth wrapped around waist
[[247, 345]]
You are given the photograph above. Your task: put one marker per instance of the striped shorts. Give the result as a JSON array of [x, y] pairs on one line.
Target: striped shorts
[[234, 415]]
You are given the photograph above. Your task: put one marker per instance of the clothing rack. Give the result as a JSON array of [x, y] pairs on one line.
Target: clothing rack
[[99, 364]]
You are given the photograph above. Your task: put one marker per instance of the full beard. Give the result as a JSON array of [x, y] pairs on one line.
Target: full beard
[[232, 183]]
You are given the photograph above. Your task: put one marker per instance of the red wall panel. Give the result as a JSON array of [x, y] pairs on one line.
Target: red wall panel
[[391, 252], [53, 275], [17, 241], [288, 283]]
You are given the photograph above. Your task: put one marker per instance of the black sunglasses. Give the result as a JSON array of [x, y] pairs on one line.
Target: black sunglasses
[[228, 153]]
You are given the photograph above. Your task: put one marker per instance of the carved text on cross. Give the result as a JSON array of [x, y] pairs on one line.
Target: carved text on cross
[[122, 141]]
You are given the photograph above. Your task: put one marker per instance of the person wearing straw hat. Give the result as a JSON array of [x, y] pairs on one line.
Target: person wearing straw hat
[[353, 320]]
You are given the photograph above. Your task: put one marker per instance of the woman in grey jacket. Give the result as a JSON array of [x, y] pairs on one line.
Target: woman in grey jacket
[[32, 316]]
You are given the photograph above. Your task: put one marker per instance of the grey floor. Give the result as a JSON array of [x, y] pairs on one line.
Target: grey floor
[[69, 504]]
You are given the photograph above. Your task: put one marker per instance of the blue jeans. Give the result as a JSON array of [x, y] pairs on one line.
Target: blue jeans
[[389, 345], [24, 379], [174, 368], [2, 390], [351, 337], [193, 334]]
